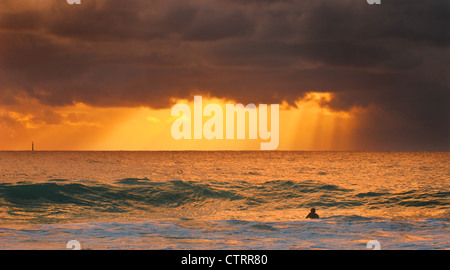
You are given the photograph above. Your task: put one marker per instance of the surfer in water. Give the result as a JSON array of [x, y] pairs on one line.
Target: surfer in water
[[312, 214]]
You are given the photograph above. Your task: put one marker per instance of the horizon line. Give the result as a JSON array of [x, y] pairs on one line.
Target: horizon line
[[217, 150]]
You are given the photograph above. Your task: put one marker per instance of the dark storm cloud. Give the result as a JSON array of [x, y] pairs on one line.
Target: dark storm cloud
[[393, 57]]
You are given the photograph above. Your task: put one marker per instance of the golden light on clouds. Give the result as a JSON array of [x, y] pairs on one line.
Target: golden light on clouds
[[309, 126]]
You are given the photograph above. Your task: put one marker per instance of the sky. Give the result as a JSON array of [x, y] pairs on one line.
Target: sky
[[105, 74]]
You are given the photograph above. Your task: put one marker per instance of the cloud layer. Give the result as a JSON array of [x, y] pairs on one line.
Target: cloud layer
[[391, 59]]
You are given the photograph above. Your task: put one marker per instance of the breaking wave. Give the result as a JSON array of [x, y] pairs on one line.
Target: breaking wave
[[137, 193]]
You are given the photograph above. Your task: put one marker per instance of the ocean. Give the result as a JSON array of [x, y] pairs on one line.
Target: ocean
[[224, 200]]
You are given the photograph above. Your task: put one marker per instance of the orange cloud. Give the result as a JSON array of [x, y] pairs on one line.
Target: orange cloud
[[80, 127]]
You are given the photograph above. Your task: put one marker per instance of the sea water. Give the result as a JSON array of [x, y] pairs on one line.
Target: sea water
[[224, 200]]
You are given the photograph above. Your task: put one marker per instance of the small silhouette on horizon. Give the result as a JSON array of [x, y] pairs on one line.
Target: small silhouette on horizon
[[312, 214], [32, 146]]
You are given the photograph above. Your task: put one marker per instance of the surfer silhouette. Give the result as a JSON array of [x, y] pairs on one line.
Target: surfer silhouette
[[312, 214]]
